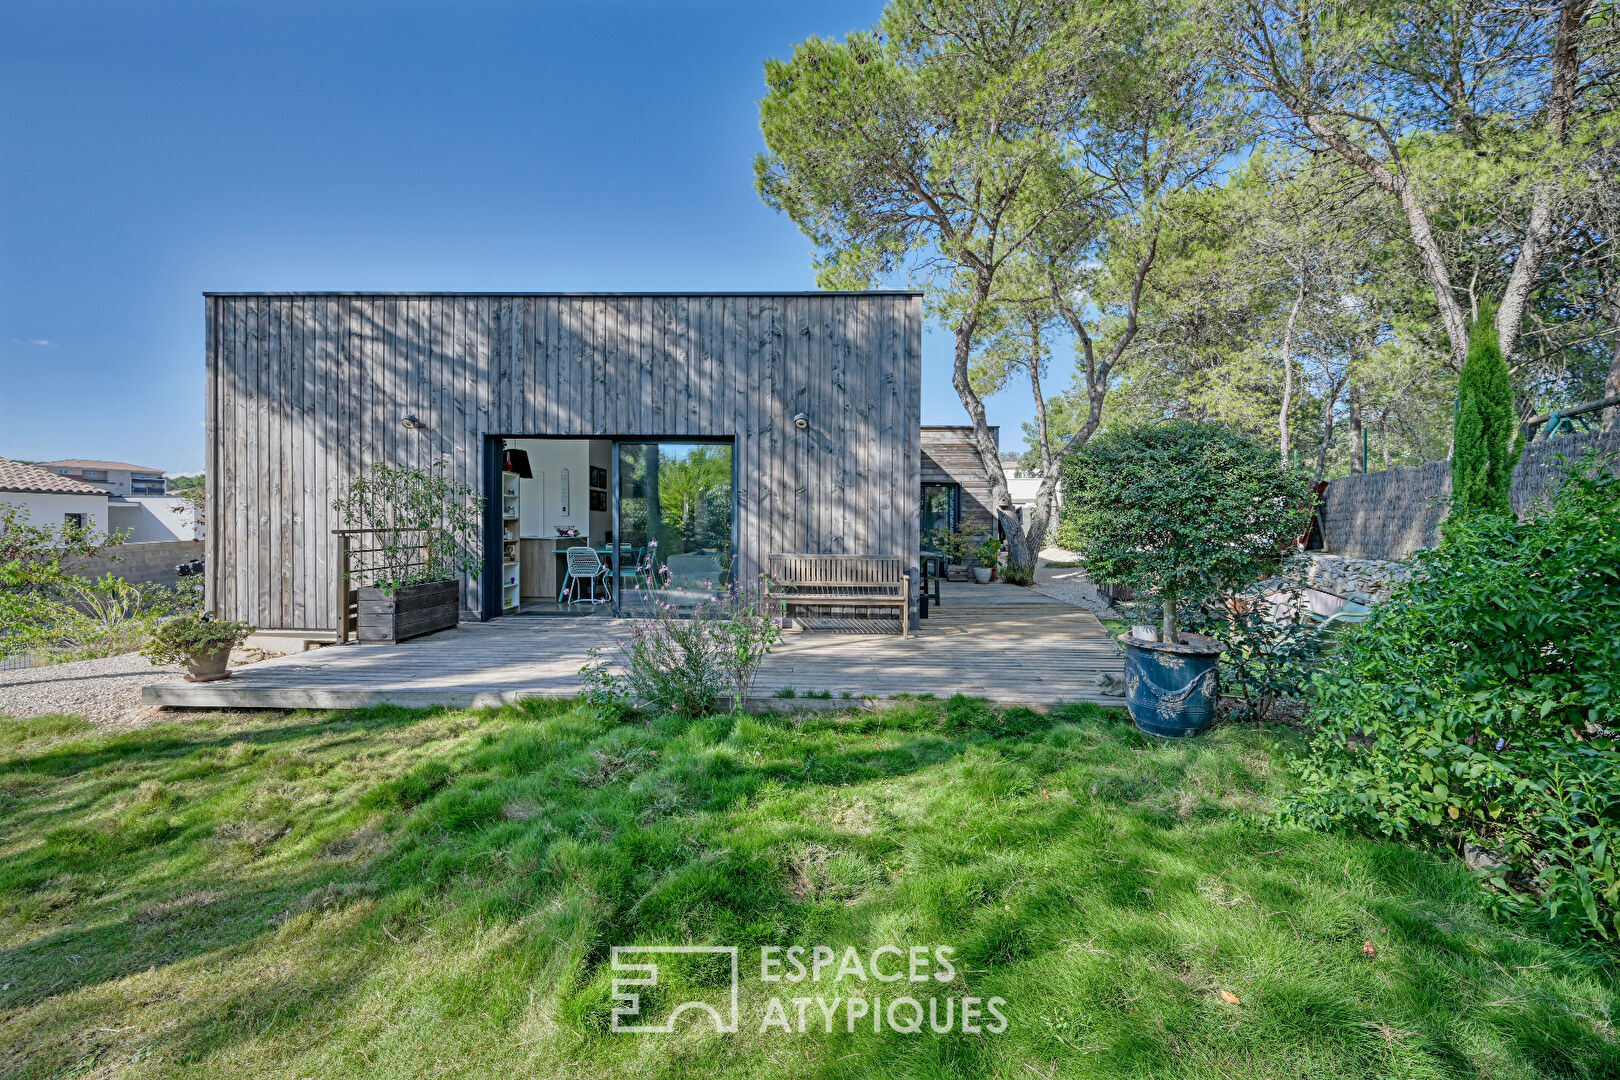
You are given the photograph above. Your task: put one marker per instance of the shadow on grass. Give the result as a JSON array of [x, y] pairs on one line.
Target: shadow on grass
[[1029, 834]]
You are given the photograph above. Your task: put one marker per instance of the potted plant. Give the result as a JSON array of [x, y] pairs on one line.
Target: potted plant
[[987, 552], [420, 532], [203, 643], [953, 543], [1181, 511]]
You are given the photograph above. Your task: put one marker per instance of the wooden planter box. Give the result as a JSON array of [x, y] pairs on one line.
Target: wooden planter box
[[409, 612]]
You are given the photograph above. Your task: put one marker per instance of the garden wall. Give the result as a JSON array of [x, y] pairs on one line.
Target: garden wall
[[1390, 514], [139, 563]]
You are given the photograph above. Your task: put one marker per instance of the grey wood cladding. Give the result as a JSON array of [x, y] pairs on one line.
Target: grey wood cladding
[[950, 456], [307, 389]]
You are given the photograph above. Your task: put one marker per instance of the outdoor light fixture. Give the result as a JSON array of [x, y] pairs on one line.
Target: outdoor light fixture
[[801, 421], [412, 422]]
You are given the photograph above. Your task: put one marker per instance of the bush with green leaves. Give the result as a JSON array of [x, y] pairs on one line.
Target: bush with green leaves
[[685, 660], [1478, 705], [193, 635], [1272, 645], [110, 616], [1181, 510], [38, 582], [426, 525]]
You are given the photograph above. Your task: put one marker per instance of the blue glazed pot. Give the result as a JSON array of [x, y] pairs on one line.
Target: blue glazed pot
[[1171, 689]]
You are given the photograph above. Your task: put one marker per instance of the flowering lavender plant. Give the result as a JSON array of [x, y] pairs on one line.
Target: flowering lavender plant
[[684, 662]]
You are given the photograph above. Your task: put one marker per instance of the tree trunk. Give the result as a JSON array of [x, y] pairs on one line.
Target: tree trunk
[[1288, 368], [1040, 515], [1328, 404], [1611, 385], [1357, 460], [1538, 233], [1011, 528], [1417, 225], [1168, 630]]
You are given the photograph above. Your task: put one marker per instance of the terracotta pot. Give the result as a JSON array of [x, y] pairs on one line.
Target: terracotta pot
[[209, 666]]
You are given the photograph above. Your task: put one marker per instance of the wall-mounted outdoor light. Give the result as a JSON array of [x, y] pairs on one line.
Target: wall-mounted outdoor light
[[412, 422], [801, 421]]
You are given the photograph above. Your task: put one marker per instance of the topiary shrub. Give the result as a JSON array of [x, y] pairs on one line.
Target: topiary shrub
[[1181, 510], [1478, 704]]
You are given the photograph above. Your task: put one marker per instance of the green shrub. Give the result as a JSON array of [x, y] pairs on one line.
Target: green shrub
[[1181, 510], [686, 661], [1477, 705], [1483, 452], [1272, 646], [1014, 574], [192, 635]]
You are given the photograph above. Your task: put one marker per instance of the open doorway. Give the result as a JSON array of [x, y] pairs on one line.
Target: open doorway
[[605, 526], [556, 526]]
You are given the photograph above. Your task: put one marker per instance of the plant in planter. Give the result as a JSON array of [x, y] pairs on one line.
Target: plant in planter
[[988, 553], [1182, 511], [200, 641], [421, 533], [953, 543]]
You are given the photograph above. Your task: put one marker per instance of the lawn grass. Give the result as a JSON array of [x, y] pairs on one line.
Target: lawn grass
[[399, 893]]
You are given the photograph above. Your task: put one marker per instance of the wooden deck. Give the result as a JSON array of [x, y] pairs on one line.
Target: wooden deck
[[1008, 644]]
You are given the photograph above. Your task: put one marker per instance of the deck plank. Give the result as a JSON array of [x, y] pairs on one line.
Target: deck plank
[[997, 641]]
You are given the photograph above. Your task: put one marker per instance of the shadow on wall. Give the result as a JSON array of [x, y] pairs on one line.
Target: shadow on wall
[[1390, 514]]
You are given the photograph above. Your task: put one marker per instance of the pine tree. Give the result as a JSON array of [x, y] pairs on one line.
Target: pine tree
[[1483, 452]]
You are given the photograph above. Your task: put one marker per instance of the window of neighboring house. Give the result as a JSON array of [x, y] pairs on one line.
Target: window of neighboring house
[[941, 509], [95, 474], [75, 520]]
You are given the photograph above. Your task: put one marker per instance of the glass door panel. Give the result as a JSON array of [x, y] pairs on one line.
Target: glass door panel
[[674, 528], [941, 510]]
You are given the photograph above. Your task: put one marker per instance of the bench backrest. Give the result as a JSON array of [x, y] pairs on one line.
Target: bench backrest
[[840, 571]]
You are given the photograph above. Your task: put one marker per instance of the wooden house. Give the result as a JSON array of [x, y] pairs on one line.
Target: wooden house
[[797, 417]]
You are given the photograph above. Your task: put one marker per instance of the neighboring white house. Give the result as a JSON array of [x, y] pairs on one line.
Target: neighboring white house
[[154, 518], [113, 477], [1023, 485], [49, 499]]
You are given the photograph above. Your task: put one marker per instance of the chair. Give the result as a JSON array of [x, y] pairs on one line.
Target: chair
[[647, 568], [584, 564]]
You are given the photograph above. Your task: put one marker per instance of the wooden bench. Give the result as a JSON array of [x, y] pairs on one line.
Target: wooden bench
[[842, 581]]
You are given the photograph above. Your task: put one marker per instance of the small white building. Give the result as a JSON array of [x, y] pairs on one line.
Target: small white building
[[154, 518], [50, 500]]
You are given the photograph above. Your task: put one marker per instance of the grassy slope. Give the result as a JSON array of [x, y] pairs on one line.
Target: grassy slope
[[394, 893]]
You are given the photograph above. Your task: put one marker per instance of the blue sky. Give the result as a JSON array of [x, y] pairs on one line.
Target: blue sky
[[152, 151]]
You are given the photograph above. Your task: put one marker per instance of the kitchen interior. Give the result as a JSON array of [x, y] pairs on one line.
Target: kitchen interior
[[555, 496]]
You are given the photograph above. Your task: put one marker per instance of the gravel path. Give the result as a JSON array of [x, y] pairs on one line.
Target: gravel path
[[101, 691], [1069, 584]]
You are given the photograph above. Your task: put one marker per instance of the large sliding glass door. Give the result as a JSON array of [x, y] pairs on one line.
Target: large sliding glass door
[[675, 508]]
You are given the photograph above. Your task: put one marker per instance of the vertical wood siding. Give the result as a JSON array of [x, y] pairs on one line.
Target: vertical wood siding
[[950, 456], [305, 391]]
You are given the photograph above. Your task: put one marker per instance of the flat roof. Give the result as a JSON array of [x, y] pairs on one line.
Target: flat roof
[[602, 295]]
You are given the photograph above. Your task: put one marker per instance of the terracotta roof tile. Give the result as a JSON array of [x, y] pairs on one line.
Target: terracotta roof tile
[[86, 463], [15, 476]]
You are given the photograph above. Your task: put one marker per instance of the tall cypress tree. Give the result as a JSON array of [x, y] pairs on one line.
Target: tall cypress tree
[[1483, 452]]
